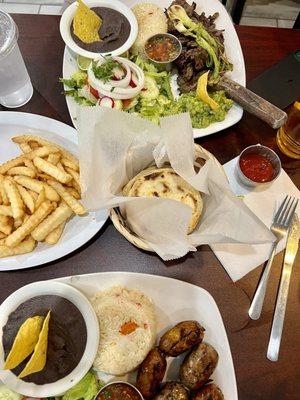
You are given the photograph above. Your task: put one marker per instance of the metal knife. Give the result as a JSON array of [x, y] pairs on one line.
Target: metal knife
[[278, 320]]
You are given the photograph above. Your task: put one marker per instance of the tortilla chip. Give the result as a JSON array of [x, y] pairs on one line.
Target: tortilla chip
[[37, 361], [25, 341], [86, 24]]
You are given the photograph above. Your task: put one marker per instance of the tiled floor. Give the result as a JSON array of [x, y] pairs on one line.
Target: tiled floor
[[274, 13]]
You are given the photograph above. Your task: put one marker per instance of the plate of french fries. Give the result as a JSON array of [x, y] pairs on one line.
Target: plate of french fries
[[42, 217]]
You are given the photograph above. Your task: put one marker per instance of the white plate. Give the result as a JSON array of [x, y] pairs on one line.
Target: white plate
[[175, 301], [92, 342], [233, 51], [79, 229]]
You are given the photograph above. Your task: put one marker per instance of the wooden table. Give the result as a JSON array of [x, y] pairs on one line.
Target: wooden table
[[257, 377]]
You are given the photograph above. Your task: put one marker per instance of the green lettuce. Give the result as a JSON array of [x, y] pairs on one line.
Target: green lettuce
[[86, 389]]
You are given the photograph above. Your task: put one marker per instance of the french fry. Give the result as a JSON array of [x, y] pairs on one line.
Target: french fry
[[44, 176], [44, 142], [74, 204], [2, 235], [34, 144], [51, 170], [6, 210], [6, 224], [17, 222], [54, 203], [74, 174], [73, 192], [4, 197], [54, 158], [68, 163], [60, 166], [28, 226], [27, 198], [40, 199], [15, 162], [2, 240], [25, 147], [58, 216], [16, 202], [22, 171], [37, 186], [34, 195], [55, 235], [24, 247], [28, 163]]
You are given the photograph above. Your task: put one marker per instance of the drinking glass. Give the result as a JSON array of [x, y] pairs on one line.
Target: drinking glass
[[15, 85], [288, 136]]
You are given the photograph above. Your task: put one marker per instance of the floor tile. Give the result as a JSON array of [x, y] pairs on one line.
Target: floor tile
[[285, 23], [258, 22], [50, 10], [280, 9], [20, 8], [40, 2]]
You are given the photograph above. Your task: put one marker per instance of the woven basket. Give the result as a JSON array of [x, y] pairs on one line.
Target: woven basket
[[120, 222]]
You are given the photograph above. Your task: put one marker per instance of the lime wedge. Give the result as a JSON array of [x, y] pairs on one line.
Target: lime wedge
[[83, 62]]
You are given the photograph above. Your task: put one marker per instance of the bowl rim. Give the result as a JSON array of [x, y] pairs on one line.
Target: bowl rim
[[249, 181], [92, 326], [124, 382], [67, 18]]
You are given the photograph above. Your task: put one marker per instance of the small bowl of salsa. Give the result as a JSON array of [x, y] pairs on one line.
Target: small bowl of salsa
[[258, 165], [119, 390], [163, 48]]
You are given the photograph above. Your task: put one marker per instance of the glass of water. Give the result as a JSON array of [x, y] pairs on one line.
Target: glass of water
[[15, 85]]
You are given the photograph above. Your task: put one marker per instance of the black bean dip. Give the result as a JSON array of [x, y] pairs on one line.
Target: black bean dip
[[114, 31], [66, 338]]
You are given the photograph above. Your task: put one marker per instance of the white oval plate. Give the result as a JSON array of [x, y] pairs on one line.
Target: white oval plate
[[80, 301], [175, 301], [233, 51], [78, 230]]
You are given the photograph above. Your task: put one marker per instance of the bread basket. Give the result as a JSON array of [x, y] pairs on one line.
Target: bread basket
[[120, 222]]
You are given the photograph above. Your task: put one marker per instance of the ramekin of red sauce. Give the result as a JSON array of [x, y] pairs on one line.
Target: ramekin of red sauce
[[258, 165]]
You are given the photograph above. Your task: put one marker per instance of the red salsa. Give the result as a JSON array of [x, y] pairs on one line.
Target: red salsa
[[257, 168], [118, 391], [162, 48]]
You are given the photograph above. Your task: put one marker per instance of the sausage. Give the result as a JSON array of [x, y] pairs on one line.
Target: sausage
[[209, 392], [173, 391], [181, 337], [151, 373], [198, 366]]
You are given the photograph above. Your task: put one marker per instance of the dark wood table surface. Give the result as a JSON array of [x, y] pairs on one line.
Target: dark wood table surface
[[257, 378]]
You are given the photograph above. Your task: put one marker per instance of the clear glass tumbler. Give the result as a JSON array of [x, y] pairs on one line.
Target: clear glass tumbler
[[15, 85]]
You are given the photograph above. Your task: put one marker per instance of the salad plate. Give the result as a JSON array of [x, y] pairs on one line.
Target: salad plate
[[232, 48], [79, 230]]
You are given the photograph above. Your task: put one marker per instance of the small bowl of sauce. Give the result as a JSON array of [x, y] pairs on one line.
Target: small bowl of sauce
[[119, 391], [163, 48], [258, 165]]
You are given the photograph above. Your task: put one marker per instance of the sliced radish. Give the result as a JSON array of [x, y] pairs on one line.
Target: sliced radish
[[106, 102], [94, 92]]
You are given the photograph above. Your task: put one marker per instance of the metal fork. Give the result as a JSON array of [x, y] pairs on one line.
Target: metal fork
[[279, 228]]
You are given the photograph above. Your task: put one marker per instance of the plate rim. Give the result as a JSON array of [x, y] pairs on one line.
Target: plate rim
[[198, 133], [69, 133], [68, 279]]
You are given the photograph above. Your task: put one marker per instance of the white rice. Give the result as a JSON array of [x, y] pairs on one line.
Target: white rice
[[151, 20], [119, 353]]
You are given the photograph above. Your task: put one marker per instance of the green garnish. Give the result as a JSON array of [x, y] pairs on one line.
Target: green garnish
[[104, 72]]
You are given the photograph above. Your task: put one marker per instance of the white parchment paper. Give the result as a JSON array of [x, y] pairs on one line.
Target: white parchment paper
[[114, 146]]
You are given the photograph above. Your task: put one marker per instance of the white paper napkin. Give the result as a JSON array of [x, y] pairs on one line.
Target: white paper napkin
[[239, 259]]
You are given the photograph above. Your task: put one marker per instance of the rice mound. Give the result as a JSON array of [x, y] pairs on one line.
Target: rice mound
[[119, 354], [151, 20]]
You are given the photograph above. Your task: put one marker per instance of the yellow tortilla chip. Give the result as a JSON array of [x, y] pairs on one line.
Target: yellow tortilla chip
[[86, 24], [25, 341], [37, 361]]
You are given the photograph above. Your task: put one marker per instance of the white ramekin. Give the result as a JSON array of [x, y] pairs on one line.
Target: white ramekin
[[67, 18]]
